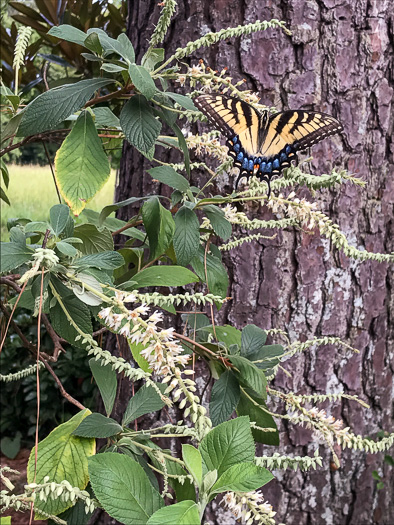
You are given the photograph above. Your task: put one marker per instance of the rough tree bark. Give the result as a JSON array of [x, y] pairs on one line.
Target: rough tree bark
[[339, 59]]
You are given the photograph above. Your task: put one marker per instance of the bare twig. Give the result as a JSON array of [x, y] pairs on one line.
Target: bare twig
[[12, 313], [193, 344], [61, 387]]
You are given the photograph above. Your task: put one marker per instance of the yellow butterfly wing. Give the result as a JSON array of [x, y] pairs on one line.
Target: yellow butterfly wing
[[234, 118], [297, 129]]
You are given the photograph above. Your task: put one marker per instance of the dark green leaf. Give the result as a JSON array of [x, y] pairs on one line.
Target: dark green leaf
[[224, 398], [217, 278], [228, 444], [138, 123], [159, 226], [146, 400], [123, 489], [66, 249], [221, 226], [107, 210], [94, 240], [164, 276], [183, 101], [169, 176], [59, 215], [13, 255], [142, 80], [97, 426], [253, 338], [187, 235], [106, 380], [103, 260], [51, 107], [105, 117], [78, 311], [255, 410], [112, 68], [249, 374]]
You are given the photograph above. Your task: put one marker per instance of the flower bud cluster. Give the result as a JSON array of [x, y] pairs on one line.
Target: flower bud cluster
[[161, 351], [250, 507]]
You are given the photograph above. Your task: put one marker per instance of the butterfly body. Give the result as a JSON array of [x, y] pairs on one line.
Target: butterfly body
[[263, 144]]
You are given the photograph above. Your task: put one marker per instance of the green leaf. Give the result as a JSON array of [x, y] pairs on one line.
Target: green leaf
[[41, 227], [226, 334], [159, 226], [183, 492], [103, 260], [182, 513], [255, 410], [193, 462], [105, 117], [187, 235], [50, 108], [152, 58], [77, 310], [5, 520], [144, 401], [221, 226], [112, 68], [164, 276], [185, 102], [249, 374], [66, 249], [242, 477], [107, 383], [10, 447], [17, 236], [62, 456], [13, 255], [94, 240], [68, 33], [97, 426], [253, 338], [169, 176], [81, 165], [92, 42], [59, 215], [107, 210], [138, 124], [3, 197], [227, 444], [123, 489], [217, 278], [136, 349], [224, 398], [12, 127], [121, 46], [142, 80]]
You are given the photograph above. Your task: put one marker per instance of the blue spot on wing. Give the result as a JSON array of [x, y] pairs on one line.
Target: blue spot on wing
[[240, 156], [237, 148], [251, 165], [245, 163], [275, 164]]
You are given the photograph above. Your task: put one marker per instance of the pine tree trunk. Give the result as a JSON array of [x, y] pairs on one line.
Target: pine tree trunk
[[339, 60]]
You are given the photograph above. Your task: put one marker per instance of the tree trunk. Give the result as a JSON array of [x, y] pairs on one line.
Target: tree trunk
[[339, 60]]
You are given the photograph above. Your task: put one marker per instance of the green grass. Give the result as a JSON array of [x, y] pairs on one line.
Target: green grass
[[32, 193]]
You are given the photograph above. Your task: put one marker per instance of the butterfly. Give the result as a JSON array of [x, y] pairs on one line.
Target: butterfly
[[263, 144]]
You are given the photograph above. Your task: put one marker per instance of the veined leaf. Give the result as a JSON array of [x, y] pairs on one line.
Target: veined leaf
[[123, 489], [50, 108], [164, 276], [13, 255], [62, 456], [216, 274], [138, 124], [159, 226], [142, 80], [187, 235], [182, 513], [227, 444], [97, 426], [94, 240], [193, 462], [249, 374], [59, 215], [255, 410], [185, 102], [102, 260], [68, 33], [253, 338], [242, 477], [224, 397], [169, 176], [221, 226], [107, 382], [144, 401], [82, 167]]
